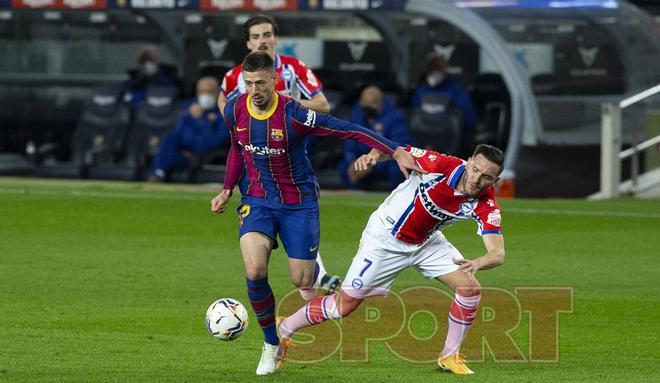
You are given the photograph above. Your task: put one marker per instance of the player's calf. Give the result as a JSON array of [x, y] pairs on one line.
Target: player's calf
[[319, 310]]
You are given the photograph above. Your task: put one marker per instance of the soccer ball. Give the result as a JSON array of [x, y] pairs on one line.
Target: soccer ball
[[226, 319]]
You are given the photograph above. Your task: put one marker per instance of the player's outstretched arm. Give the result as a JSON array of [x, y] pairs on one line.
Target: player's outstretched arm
[[219, 202], [406, 161]]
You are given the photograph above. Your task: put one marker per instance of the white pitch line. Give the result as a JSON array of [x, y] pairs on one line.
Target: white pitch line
[[173, 196], [102, 194], [594, 213]]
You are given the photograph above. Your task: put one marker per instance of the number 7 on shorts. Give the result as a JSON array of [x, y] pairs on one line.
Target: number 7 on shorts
[[368, 264]]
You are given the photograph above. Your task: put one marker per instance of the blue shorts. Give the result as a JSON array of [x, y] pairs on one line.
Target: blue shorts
[[299, 229]]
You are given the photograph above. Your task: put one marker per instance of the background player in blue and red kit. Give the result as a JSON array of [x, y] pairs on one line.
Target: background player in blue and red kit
[[405, 231], [268, 133]]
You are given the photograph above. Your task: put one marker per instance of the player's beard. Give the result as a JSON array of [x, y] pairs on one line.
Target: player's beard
[[262, 100], [468, 191]]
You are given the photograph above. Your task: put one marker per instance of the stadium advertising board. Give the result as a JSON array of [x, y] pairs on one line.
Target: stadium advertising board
[[249, 5], [59, 4], [153, 4], [351, 5], [206, 5], [212, 5]]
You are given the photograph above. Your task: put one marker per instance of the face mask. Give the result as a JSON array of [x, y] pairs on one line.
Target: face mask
[[149, 68], [435, 78], [369, 112], [206, 100]]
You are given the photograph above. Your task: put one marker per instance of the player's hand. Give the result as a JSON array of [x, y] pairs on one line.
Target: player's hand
[[466, 266], [219, 203], [406, 162], [364, 163]]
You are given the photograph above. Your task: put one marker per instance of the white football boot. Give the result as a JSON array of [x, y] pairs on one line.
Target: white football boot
[[268, 362]]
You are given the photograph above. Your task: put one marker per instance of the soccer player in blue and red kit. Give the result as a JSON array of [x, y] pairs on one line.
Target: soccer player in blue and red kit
[[281, 192], [294, 79]]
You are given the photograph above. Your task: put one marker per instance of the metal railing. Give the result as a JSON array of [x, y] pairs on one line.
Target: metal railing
[[611, 154]]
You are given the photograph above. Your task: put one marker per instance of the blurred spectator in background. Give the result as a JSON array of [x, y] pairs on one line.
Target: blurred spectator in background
[[377, 113], [149, 73], [436, 79], [200, 129]]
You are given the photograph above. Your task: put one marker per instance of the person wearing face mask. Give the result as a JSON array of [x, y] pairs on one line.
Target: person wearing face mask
[[373, 110], [200, 129], [149, 73], [436, 79]]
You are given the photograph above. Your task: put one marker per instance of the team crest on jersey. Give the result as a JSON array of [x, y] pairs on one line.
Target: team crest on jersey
[[286, 74], [466, 208], [277, 134], [494, 218], [357, 283], [417, 152]]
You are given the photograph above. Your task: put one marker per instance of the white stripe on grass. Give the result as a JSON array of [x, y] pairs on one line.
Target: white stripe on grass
[[173, 196]]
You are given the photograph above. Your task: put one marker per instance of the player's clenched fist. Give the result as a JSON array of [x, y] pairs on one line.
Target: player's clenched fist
[[219, 202], [366, 161]]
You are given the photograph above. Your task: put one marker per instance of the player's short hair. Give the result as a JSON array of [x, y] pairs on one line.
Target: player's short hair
[[259, 19], [491, 153], [258, 61]]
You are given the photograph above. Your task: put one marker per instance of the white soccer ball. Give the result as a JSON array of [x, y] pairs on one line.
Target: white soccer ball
[[226, 319]]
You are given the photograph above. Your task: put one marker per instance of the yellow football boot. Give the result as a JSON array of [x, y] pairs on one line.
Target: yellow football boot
[[455, 363]]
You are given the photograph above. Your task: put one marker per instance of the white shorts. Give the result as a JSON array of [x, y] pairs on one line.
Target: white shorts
[[381, 257]]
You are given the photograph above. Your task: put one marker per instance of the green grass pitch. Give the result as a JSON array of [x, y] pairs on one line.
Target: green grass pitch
[[110, 282]]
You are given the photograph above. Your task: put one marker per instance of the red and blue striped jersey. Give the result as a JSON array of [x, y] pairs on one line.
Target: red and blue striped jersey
[[425, 203], [271, 149]]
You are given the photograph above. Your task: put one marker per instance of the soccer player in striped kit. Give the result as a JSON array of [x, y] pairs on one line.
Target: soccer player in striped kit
[[281, 193], [294, 79], [405, 231]]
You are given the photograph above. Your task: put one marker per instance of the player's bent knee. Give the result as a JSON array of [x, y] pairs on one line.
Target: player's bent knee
[[256, 273], [302, 282], [470, 289]]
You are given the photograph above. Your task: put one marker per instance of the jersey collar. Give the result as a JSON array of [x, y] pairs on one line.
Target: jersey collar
[[270, 111], [453, 178]]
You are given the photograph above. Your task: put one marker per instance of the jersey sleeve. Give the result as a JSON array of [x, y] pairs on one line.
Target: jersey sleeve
[[488, 215], [229, 85], [434, 162], [306, 80], [234, 168], [308, 122]]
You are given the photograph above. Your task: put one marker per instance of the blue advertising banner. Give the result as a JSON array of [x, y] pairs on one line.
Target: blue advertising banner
[[351, 5]]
